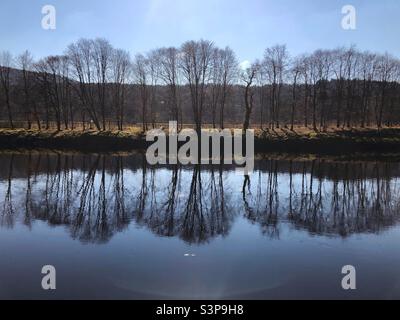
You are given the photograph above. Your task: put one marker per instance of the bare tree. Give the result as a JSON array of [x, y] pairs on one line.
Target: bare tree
[[154, 77], [169, 74], [367, 73], [223, 73], [262, 91], [248, 76], [140, 72], [320, 68], [25, 63], [351, 57], [228, 74], [196, 64], [275, 61], [339, 72], [214, 90], [325, 70], [81, 58], [295, 72], [53, 74], [386, 67], [6, 63], [101, 55], [120, 72], [306, 75]]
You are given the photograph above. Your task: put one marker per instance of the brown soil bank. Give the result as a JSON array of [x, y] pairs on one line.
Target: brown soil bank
[[336, 142]]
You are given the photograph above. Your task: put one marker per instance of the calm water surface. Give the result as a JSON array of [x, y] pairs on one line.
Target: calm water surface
[[116, 228]]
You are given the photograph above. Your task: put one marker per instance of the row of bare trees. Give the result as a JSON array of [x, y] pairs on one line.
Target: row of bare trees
[[342, 87], [199, 83]]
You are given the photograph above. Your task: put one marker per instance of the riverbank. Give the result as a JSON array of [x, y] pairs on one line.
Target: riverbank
[[335, 142], [79, 140], [332, 142]]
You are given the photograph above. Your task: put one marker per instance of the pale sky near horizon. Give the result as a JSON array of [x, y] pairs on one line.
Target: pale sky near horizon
[[248, 27]]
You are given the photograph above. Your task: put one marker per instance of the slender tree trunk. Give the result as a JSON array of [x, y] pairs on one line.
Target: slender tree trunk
[[293, 103], [248, 100], [10, 118]]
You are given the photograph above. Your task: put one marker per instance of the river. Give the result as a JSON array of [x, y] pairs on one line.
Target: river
[[115, 227]]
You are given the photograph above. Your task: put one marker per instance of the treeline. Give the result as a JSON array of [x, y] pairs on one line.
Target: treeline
[[94, 85]]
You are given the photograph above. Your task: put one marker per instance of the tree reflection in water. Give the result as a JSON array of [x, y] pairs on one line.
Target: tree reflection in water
[[97, 195]]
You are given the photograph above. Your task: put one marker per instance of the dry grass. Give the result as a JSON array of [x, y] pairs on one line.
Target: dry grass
[[300, 139], [135, 131]]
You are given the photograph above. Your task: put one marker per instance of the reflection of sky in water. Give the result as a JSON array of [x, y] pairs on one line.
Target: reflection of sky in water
[[246, 246]]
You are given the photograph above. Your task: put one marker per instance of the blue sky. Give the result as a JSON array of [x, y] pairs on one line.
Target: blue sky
[[248, 27]]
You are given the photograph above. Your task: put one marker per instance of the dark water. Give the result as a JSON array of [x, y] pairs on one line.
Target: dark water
[[114, 227]]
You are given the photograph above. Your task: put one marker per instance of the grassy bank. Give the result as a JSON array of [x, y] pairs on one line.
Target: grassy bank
[[71, 139], [300, 140], [333, 141]]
